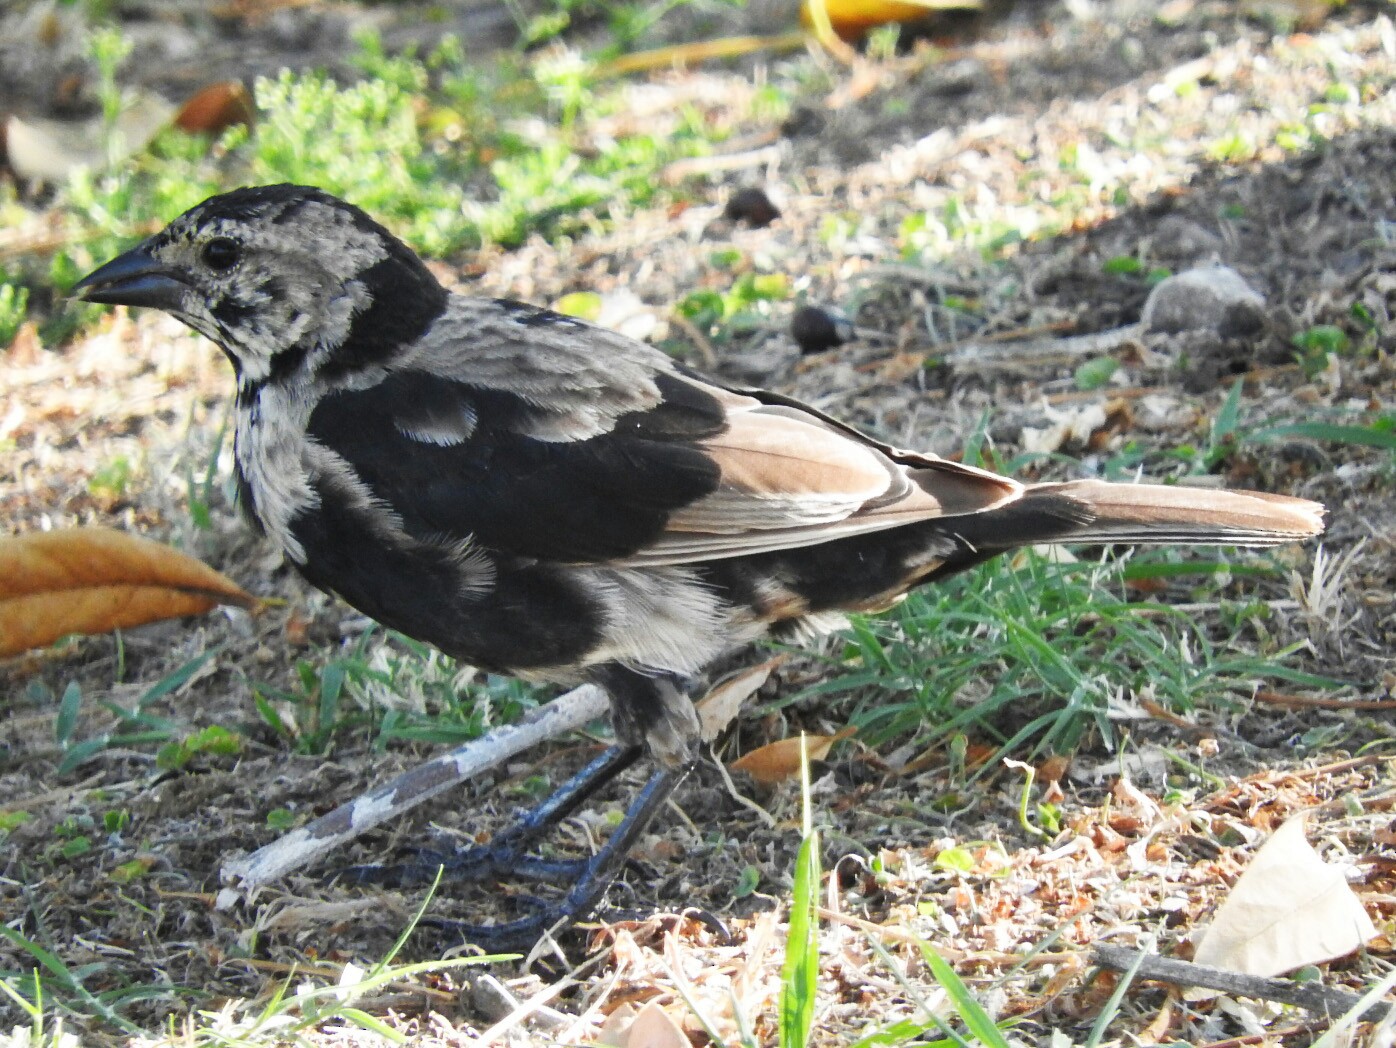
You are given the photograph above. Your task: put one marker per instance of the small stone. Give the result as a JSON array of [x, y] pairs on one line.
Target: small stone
[[1181, 239], [1216, 298]]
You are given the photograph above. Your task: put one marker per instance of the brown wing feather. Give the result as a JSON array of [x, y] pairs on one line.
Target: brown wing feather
[[791, 477]]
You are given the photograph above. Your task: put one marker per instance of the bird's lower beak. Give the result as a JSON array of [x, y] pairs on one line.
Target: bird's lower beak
[[132, 279]]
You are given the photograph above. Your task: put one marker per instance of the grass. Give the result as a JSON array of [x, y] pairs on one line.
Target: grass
[[328, 1000], [1034, 654], [447, 152], [800, 973]]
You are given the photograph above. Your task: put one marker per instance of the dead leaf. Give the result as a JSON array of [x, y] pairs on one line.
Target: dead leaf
[[1289, 909], [850, 19], [653, 1027], [778, 761], [720, 706], [617, 1025], [215, 108], [1066, 426], [93, 580]]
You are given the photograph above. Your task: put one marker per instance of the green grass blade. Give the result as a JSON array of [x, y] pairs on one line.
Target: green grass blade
[[800, 972], [1330, 433], [975, 1018]]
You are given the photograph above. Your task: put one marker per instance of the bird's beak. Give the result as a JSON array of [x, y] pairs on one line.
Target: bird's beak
[[132, 279]]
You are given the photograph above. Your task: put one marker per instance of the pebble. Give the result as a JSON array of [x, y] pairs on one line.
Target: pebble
[[1214, 298]]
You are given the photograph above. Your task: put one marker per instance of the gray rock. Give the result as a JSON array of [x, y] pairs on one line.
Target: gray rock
[[1179, 239], [1214, 299]]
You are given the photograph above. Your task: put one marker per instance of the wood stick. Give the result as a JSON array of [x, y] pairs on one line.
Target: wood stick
[[1312, 997], [568, 712]]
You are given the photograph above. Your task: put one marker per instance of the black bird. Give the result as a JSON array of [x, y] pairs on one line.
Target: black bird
[[539, 496]]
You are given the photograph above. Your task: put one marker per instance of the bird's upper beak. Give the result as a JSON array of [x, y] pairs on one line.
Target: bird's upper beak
[[132, 279]]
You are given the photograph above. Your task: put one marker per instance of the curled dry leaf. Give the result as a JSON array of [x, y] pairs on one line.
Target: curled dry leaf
[[93, 580], [779, 761], [851, 19], [723, 702]]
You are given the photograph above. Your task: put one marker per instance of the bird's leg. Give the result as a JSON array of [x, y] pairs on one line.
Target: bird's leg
[[590, 883], [504, 855], [650, 712]]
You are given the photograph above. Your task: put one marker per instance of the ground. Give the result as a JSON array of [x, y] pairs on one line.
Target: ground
[[1108, 145]]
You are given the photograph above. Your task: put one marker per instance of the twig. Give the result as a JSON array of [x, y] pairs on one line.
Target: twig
[[1312, 997], [947, 350], [49, 242], [680, 56], [295, 849], [1275, 698], [707, 165], [981, 352], [1268, 1037]]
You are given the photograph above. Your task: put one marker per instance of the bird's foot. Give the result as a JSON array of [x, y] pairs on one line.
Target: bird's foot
[[589, 885], [506, 855]]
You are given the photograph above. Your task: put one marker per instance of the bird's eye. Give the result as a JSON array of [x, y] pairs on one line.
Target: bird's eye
[[220, 253]]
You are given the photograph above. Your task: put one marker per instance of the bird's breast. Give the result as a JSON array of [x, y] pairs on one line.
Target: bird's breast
[[270, 451]]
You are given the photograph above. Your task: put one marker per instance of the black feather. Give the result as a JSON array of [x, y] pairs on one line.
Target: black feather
[[563, 501]]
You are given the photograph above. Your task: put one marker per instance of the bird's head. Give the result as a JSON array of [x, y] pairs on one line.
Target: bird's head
[[282, 277]]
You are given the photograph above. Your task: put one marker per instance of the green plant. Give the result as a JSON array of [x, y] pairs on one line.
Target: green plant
[[1029, 634], [14, 303], [137, 725], [800, 972], [447, 153]]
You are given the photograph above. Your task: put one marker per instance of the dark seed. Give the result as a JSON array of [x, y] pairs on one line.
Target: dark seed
[[815, 329], [752, 206]]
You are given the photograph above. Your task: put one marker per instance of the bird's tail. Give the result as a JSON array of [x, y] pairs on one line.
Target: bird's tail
[[1096, 511]]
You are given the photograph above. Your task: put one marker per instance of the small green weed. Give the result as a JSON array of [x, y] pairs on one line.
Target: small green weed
[[447, 153], [800, 972], [137, 725], [14, 304], [744, 306], [214, 740], [1064, 639], [394, 689]]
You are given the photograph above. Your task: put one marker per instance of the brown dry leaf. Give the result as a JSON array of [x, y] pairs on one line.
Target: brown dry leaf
[[93, 580], [720, 706], [215, 108], [654, 1028], [1289, 909], [778, 761]]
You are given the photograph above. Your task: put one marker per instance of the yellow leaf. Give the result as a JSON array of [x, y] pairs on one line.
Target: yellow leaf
[[93, 580], [779, 761], [850, 19]]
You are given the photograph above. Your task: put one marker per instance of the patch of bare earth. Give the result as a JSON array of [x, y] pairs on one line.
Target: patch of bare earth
[[1095, 140]]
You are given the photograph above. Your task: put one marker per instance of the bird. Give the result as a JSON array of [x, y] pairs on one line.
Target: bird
[[538, 496]]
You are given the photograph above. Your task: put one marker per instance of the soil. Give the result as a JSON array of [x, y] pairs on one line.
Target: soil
[[1027, 124]]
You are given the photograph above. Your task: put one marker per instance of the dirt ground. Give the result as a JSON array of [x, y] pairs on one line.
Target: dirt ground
[[1095, 135]]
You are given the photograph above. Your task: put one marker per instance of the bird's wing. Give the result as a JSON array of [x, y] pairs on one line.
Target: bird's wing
[[600, 451]]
